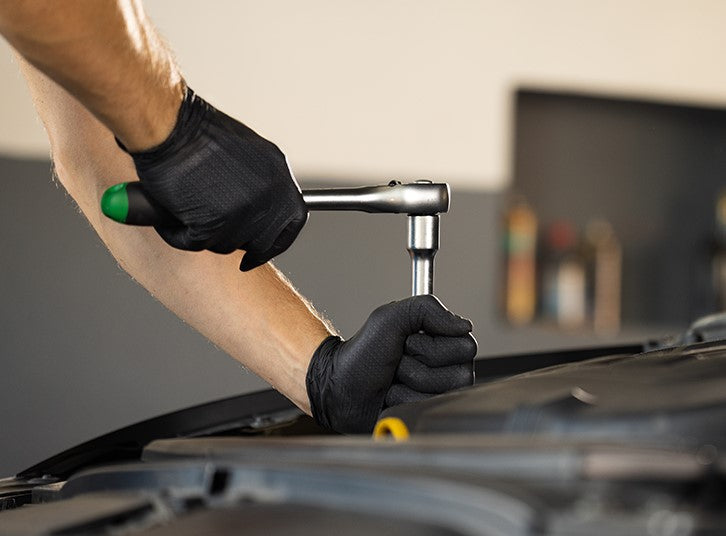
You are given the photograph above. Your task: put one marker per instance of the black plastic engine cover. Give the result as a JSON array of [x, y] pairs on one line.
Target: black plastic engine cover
[[676, 395]]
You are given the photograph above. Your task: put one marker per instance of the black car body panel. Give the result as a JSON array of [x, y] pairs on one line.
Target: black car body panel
[[602, 441]]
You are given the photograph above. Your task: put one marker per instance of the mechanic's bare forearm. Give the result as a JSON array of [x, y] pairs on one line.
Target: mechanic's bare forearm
[[256, 317], [108, 55]]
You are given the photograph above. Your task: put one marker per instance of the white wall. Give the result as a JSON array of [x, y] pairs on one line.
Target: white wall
[[378, 89]]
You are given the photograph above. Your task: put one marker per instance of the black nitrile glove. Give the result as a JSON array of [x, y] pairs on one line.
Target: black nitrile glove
[[406, 351], [230, 188]]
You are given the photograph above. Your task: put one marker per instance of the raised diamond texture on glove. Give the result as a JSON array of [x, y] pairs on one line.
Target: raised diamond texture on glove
[[229, 187], [406, 351]]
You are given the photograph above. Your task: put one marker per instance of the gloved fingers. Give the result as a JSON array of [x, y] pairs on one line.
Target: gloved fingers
[[180, 237], [419, 377], [441, 351], [253, 249], [284, 240], [401, 394], [231, 187], [235, 234], [427, 313]]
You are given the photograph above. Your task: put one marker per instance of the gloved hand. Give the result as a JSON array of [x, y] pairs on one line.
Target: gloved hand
[[230, 188], [406, 351]]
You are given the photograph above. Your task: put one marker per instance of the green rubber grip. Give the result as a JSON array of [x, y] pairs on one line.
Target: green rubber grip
[[115, 203], [128, 203]]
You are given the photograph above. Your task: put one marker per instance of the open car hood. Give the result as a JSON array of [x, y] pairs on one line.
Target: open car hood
[[600, 441]]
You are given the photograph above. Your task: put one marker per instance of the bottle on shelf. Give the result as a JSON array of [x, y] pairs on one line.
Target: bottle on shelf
[[563, 278], [520, 266], [718, 256], [605, 261]]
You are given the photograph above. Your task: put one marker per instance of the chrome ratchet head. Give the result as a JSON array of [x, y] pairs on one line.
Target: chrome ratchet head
[[422, 197]]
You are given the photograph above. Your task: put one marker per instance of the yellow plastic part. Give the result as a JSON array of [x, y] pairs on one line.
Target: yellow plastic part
[[391, 427]]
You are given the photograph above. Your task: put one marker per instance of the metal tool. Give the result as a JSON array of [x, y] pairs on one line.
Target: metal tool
[[422, 200]]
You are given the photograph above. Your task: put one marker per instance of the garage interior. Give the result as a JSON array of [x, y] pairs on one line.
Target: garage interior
[[586, 111]]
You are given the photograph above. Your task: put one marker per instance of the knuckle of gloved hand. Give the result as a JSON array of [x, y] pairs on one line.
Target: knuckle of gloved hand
[[466, 374], [275, 156], [381, 313], [461, 350], [295, 214], [471, 376], [426, 305], [299, 221], [462, 320], [274, 150], [469, 346], [301, 210], [452, 377], [429, 302]]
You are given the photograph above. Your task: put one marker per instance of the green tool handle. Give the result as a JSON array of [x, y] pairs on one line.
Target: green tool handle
[[128, 203]]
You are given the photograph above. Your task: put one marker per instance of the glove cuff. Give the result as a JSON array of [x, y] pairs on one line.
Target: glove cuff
[[191, 113], [316, 380]]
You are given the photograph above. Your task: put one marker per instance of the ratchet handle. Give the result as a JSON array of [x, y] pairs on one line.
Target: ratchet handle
[[128, 203]]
